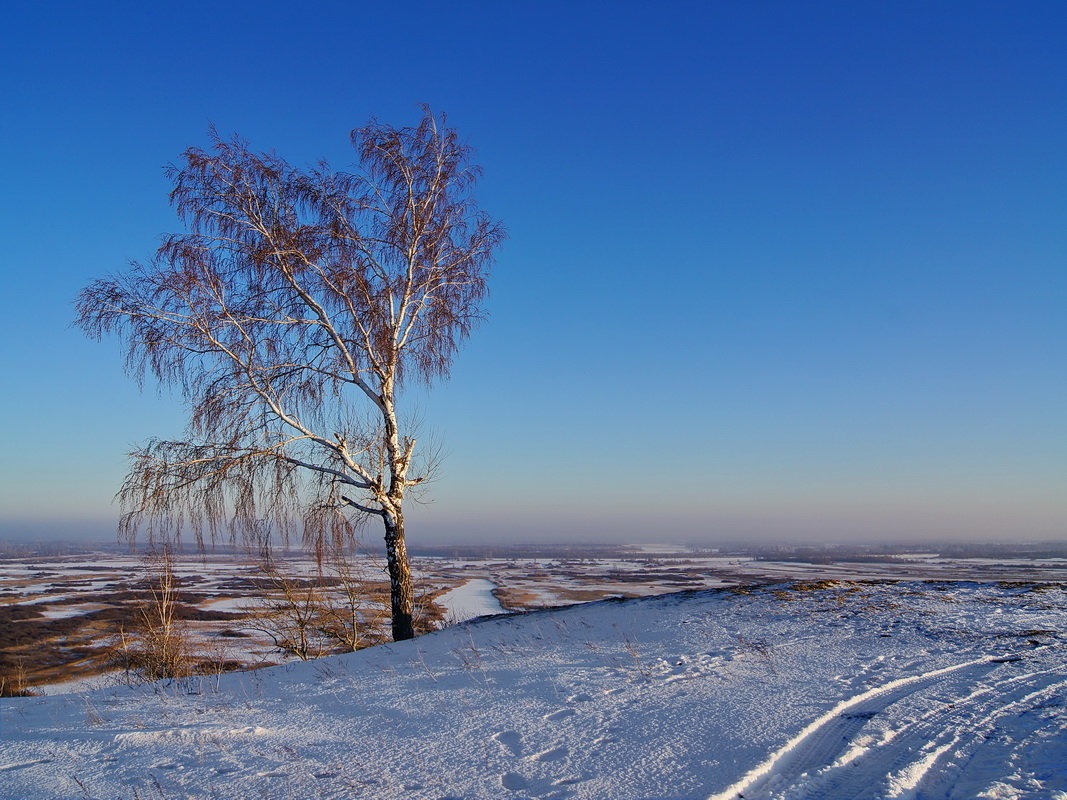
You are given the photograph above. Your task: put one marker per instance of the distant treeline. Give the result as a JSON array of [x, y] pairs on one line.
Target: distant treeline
[[807, 553]]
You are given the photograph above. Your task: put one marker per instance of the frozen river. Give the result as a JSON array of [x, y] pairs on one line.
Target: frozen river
[[471, 599]]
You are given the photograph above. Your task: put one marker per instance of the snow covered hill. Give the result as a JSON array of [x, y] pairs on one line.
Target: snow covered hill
[[912, 690]]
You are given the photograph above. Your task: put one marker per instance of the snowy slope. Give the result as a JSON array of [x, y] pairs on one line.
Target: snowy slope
[[873, 690]]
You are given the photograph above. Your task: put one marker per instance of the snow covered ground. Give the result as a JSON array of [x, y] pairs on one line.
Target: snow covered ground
[[911, 690]]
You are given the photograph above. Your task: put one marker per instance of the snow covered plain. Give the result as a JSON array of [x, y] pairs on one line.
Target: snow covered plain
[[832, 690]]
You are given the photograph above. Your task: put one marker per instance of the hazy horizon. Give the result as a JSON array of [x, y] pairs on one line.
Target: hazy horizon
[[73, 533]]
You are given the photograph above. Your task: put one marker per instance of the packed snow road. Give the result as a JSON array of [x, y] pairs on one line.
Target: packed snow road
[[846, 690]]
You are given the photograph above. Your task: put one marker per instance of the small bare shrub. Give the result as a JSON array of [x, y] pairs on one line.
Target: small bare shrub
[[761, 650], [630, 645], [158, 646], [328, 613], [348, 620], [13, 681], [290, 614]]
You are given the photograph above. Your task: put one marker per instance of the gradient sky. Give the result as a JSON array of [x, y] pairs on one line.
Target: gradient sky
[[776, 270]]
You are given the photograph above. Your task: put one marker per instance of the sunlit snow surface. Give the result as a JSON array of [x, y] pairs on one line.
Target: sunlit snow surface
[[914, 690]]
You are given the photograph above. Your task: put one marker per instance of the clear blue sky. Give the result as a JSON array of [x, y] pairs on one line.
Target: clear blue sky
[[778, 270]]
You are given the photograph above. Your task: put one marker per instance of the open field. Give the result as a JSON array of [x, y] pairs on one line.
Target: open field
[[63, 619]]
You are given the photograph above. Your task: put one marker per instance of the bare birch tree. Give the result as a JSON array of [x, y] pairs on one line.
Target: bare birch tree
[[290, 316]]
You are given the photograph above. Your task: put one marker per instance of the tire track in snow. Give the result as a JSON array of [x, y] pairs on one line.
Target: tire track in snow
[[952, 725], [822, 738], [1017, 748], [944, 737], [895, 764]]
